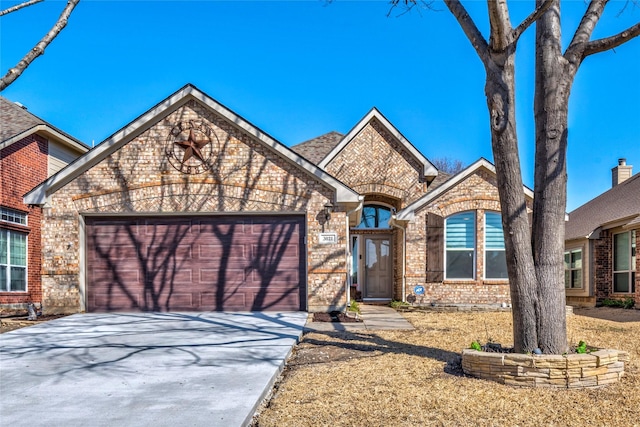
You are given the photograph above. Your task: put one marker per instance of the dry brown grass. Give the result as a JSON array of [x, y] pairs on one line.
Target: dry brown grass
[[413, 378]]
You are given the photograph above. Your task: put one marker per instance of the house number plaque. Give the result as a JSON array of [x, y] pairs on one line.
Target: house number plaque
[[327, 238]]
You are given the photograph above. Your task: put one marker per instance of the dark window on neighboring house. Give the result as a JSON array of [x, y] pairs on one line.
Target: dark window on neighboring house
[[375, 216], [624, 262], [15, 217], [573, 269], [495, 259], [460, 246], [13, 253]]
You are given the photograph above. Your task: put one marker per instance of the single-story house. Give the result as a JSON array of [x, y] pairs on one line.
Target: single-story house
[[601, 238], [30, 151], [191, 207]]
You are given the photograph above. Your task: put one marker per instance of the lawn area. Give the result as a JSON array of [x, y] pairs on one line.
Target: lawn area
[[400, 378]]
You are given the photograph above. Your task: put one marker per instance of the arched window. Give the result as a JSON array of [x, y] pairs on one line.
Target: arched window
[[460, 231], [375, 216]]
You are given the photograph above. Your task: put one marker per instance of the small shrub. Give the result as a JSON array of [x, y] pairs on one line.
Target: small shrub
[[475, 345], [626, 303], [398, 304], [353, 306], [581, 348], [610, 302]]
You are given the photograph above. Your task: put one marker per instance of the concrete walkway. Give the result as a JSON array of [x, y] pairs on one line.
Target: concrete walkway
[[375, 318]]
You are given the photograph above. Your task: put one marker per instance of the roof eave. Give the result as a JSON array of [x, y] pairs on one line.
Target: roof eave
[[39, 194], [429, 170], [408, 213], [50, 133], [343, 193]]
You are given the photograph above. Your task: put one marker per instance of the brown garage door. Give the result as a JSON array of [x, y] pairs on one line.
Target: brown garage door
[[196, 263]]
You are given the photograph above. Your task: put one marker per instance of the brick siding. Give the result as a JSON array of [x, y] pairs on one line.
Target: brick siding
[[138, 179], [477, 193], [23, 165], [374, 162]]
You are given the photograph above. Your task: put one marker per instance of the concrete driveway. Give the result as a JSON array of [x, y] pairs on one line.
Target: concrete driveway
[[143, 369]]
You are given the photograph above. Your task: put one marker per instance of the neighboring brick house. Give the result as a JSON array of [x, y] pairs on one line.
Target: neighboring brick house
[[601, 238], [30, 151], [191, 207]]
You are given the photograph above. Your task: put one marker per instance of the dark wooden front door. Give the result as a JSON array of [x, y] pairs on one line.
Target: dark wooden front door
[[378, 267], [229, 263]]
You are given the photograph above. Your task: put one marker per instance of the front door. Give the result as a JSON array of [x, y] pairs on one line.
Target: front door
[[378, 267]]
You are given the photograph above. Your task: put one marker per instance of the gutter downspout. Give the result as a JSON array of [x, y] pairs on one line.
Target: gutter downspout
[[348, 249], [395, 224]]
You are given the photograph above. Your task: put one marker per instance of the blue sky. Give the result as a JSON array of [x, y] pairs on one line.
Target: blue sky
[[299, 69]]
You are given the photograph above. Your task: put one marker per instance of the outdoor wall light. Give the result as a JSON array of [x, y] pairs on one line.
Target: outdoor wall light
[[46, 208], [328, 208]]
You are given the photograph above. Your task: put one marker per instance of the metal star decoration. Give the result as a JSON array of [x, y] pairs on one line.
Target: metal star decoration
[[192, 147]]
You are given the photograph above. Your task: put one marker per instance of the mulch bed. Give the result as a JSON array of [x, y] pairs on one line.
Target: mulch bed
[[334, 316]]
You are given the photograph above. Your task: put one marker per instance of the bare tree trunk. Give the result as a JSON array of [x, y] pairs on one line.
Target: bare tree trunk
[[500, 90], [498, 57], [554, 77]]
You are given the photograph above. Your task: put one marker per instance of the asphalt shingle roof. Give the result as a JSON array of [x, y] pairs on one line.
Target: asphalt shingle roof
[[318, 148], [15, 119], [621, 201], [440, 179]]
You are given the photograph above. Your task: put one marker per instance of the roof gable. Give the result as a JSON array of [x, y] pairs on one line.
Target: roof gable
[[621, 202], [428, 169], [408, 213], [18, 123], [189, 92]]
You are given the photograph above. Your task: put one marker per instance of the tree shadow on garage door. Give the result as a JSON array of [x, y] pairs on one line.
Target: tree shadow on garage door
[[197, 263]]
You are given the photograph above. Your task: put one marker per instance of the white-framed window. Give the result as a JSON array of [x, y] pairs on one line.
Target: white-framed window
[[495, 259], [573, 269], [624, 262], [460, 231], [13, 216], [13, 261], [375, 216]]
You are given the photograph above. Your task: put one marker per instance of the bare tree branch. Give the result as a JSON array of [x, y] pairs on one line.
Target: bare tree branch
[[39, 48], [581, 46], [18, 7], [409, 5], [470, 29], [635, 3], [448, 165], [600, 45], [584, 31], [526, 23]]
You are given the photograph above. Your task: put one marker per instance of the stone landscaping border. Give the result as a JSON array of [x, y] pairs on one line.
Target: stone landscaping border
[[595, 369]]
